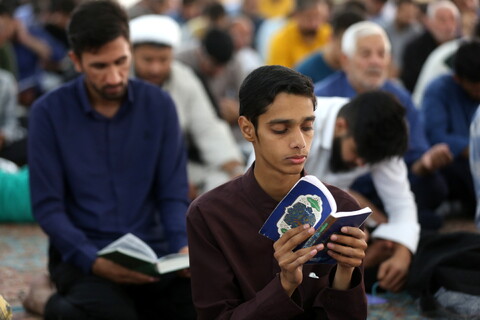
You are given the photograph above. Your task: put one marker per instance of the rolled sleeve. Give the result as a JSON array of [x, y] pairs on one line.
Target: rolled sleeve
[[391, 182]]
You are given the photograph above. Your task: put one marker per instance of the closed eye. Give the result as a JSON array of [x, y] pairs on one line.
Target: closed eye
[[306, 129], [280, 131]]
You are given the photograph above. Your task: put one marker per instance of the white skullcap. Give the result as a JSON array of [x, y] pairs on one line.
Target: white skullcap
[[155, 28]]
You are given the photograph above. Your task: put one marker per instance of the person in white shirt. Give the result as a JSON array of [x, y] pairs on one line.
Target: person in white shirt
[[369, 135], [154, 38]]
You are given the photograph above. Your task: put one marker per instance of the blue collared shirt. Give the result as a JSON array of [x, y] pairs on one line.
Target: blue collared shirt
[[448, 112], [337, 85], [94, 178]]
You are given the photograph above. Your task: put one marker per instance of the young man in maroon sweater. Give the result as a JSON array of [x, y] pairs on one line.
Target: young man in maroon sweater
[[236, 272]]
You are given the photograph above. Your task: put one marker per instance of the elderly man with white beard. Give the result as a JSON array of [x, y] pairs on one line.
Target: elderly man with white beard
[[365, 61]]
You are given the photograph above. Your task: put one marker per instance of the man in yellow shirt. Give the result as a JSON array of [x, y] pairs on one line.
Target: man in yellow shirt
[[307, 31]]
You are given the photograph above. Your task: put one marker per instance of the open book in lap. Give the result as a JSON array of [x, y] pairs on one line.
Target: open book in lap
[[310, 202], [133, 253]]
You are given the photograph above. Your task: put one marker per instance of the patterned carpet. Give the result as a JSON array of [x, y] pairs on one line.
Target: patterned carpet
[[23, 251], [23, 255]]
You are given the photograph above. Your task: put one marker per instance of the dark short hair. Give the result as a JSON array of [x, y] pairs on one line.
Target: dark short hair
[[6, 8], [467, 61], [376, 121], [353, 5], [343, 19], [218, 44], [214, 11], [95, 23], [62, 6], [262, 85]]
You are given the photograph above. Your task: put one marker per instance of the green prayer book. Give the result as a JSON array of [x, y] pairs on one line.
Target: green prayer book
[[133, 253]]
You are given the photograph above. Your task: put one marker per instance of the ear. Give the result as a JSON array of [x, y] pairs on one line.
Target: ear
[[247, 128], [341, 126], [76, 61]]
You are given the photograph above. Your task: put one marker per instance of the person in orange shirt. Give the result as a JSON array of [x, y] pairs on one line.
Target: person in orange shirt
[[307, 31]]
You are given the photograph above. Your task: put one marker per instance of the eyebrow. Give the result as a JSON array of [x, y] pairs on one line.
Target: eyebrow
[[102, 64], [289, 121]]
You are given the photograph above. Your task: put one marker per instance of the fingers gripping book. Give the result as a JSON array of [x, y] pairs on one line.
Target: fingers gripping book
[[133, 253], [310, 202]]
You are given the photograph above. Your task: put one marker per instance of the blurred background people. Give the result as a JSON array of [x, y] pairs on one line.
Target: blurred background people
[[448, 107], [306, 31], [404, 26], [441, 25], [214, 157], [326, 61]]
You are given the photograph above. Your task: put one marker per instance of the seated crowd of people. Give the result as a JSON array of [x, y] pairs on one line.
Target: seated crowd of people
[[121, 119]]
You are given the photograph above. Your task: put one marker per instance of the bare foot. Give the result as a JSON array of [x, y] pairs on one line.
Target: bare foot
[[41, 289]]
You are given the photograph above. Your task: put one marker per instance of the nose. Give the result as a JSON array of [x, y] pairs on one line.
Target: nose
[[376, 59], [298, 139], [113, 76], [155, 68]]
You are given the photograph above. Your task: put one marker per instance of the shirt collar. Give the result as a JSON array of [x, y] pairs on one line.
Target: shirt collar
[[256, 194]]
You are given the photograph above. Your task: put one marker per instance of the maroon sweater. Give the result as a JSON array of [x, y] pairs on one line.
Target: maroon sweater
[[234, 272]]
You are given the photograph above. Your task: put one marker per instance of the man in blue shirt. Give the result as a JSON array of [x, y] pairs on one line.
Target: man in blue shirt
[[448, 107], [106, 159]]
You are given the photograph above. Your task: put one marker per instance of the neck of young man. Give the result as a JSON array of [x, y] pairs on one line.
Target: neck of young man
[[276, 184]]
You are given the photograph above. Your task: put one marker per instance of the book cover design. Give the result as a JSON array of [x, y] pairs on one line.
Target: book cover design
[[310, 201]]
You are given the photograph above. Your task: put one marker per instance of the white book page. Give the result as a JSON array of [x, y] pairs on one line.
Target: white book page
[[132, 245], [351, 213], [172, 262]]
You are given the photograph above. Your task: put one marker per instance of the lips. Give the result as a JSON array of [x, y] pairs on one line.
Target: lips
[[374, 72], [298, 159]]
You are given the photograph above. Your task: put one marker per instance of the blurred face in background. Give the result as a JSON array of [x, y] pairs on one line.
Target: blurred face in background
[[241, 31], [367, 68], [209, 66], [152, 63], [407, 14], [310, 20], [467, 5], [7, 28], [443, 25]]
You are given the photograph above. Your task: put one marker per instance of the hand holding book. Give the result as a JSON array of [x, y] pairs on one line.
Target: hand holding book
[[115, 272], [310, 202]]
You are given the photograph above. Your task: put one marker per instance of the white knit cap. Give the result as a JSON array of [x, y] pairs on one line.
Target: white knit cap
[[155, 28]]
